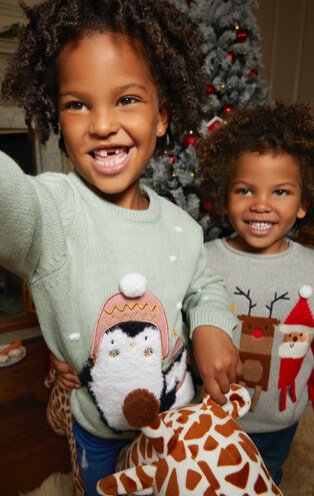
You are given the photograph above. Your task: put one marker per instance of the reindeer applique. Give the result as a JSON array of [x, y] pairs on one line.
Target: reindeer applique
[[196, 449], [256, 344]]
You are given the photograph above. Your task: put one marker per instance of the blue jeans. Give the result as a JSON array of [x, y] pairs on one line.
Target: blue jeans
[[274, 448], [96, 457]]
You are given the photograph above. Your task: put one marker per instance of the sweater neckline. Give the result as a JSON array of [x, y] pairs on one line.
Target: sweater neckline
[[151, 214], [245, 254]]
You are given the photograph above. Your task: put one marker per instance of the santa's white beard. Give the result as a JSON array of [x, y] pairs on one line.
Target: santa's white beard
[[293, 349]]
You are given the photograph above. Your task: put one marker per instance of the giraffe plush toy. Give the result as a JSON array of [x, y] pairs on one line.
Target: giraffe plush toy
[[195, 449]]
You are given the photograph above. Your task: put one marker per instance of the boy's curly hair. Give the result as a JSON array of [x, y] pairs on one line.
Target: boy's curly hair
[[270, 127], [168, 38]]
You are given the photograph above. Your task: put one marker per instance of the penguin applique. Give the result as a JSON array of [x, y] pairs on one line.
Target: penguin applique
[[130, 342]]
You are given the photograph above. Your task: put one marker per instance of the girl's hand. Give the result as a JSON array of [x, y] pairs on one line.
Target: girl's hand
[[66, 375], [217, 359]]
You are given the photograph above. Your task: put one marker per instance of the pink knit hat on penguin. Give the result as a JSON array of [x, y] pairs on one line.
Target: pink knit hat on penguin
[[133, 303]]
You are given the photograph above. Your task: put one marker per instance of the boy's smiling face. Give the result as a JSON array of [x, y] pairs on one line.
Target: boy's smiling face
[[110, 114], [264, 201]]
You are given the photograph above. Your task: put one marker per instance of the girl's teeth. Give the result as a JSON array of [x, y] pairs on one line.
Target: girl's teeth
[[261, 226], [105, 153]]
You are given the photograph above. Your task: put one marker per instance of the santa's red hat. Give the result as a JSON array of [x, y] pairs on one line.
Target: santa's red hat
[[300, 319]]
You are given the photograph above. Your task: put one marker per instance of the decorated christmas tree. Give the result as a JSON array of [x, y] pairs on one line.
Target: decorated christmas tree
[[230, 41]]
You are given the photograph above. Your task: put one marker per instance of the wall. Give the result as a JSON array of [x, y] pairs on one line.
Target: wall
[[287, 48]]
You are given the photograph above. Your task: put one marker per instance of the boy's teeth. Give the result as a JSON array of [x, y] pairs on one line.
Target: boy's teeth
[[262, 226]]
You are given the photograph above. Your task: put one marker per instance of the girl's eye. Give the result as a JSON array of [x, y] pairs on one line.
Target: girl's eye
[[281, 192], [127, 100], [75, 105], [243, 191]]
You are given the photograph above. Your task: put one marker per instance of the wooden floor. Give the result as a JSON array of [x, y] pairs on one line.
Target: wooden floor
[[29, 450]]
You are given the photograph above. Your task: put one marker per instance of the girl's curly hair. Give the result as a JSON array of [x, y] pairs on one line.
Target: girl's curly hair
[[270, 127], [168, 38]]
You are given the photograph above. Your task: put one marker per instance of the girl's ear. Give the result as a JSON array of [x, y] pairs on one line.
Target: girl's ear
[[163, 120]]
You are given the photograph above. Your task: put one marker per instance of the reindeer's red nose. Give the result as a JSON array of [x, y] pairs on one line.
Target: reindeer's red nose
[[257, 333]]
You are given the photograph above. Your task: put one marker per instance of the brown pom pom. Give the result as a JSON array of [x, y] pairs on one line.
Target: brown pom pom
[[140, 408]]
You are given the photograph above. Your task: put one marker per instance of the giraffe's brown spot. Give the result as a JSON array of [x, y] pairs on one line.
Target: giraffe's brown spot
[[145, 479], [229, 456], [172, 487], [133, 455], [159, 444], [149, 450], [228, 428], [161, 473], [199, 429], [210, 444], [260, 487], [142, 446], [194, 449], [109, 485], [178, 453], [210, 492], [249, 447], [183, 417], [128, 483], [240, 478], [275, 489], [192, 479], [218, 411], [209, 474], [265, 471]]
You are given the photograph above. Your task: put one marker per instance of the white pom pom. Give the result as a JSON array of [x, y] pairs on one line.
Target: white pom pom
[[133, 285], [306, 291]]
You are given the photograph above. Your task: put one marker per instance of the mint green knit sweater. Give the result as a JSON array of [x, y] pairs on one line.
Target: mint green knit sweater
[[73, 247]]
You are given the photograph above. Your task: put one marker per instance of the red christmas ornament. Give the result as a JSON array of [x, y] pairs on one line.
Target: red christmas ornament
[[207, 206], [189, 139], [242, 35], [210, 89], [171, 159], [215, 121], [231, 56], [253, 73], [227, 108]]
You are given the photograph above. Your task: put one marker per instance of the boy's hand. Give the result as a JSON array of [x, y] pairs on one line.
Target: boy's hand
[[67, 377], [217, 360]]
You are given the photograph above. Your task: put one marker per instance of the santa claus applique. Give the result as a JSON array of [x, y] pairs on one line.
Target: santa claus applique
[[298, 329]]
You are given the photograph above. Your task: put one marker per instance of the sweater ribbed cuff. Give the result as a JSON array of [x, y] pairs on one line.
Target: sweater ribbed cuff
[[219, 318]]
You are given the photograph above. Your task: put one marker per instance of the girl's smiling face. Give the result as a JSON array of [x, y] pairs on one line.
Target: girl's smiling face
[[264, 201], [110, 114]]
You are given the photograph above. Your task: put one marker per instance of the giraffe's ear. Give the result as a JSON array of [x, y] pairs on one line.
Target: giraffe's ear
[[238, 401], [127, 481]]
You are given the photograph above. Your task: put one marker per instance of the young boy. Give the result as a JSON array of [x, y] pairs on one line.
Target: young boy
[[259, 169]]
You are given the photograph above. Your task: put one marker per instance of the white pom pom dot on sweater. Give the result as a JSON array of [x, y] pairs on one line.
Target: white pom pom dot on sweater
[[133, 285], [306, 292]]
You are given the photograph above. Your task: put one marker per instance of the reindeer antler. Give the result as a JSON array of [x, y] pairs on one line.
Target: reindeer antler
[[276, 298], [247, 296]]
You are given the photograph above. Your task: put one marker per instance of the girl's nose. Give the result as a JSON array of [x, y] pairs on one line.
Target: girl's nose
[[103, 123]]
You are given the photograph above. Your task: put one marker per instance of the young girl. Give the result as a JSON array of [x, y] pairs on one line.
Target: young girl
[[259, 169], [112, 267]]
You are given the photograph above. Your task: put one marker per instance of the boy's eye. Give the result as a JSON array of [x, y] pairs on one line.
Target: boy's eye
[[281, 192], [127, 100]]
